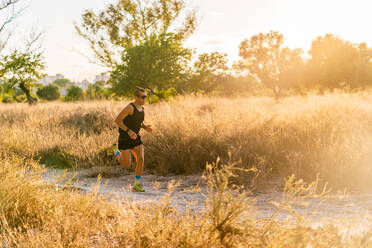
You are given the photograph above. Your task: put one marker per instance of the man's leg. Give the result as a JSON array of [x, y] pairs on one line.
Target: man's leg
[[138, 153], [125, 158]]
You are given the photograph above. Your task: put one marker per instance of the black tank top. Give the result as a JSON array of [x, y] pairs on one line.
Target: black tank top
[[134, 121]]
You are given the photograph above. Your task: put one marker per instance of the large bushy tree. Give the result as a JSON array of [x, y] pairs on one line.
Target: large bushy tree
[[335, 63], [266, 57], [22, 70], [129, 23], [141, 42], [157, 65], [18, 69]]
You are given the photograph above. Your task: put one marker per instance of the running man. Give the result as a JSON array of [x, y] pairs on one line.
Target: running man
[[130, 121]]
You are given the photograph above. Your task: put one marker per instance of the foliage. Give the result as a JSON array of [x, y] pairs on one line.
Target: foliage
[[22, 70], [98, 91], [49, 92], [130, 23], [158, 65], [210, 72], [74, 93], [266, 57], [7, 98]]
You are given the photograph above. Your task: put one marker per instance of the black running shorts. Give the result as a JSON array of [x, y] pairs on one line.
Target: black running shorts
[[125, 143]]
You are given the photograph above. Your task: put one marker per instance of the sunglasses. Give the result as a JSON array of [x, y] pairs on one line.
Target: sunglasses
[[143, 97]]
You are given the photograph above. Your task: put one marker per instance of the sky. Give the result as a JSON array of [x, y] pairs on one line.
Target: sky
[[223, 24]]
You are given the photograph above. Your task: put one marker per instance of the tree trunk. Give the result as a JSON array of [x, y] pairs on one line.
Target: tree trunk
[[277, 92], [31, 100]]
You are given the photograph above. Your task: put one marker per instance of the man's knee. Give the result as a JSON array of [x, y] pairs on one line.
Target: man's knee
[[138, 154], [125, 164]]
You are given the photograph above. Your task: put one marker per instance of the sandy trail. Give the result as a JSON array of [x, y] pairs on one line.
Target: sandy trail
[[353, 214]]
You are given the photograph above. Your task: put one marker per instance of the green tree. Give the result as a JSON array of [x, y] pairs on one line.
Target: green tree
[[97, 90], [130, 23], [210, 72], [22, 70], [5, 88], [158, 65], [49, 92], [266, 57], [61, 82], [74, 93]]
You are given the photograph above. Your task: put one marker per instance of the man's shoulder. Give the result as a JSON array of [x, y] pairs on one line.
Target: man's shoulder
[[130, 107]]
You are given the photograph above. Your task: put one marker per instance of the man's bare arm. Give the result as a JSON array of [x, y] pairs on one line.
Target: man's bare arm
[[128, 110], [148, 128]]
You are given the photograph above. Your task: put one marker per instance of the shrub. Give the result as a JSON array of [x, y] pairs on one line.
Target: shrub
[[49, 92], [74, 93], [7, 98]]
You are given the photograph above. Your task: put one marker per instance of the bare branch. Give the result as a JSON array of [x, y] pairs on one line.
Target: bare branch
[[90, 60], [5, 4], [4, 42], [143, 20], [34, 37], [14, 13]]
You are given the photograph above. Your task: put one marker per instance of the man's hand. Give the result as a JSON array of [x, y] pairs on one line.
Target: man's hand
[[148, 128], [132, 134]]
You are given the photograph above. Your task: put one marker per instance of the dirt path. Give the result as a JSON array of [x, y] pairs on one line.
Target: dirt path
[[352, 214]]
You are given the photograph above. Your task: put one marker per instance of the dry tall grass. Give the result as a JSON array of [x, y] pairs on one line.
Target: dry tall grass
[[329, 134], [34, 215]]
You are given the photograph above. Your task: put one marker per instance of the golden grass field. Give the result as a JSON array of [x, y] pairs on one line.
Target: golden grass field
[[329, 135]]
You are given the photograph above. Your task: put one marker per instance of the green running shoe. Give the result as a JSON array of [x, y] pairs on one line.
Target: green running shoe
[[113, 150], [138, 188]]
